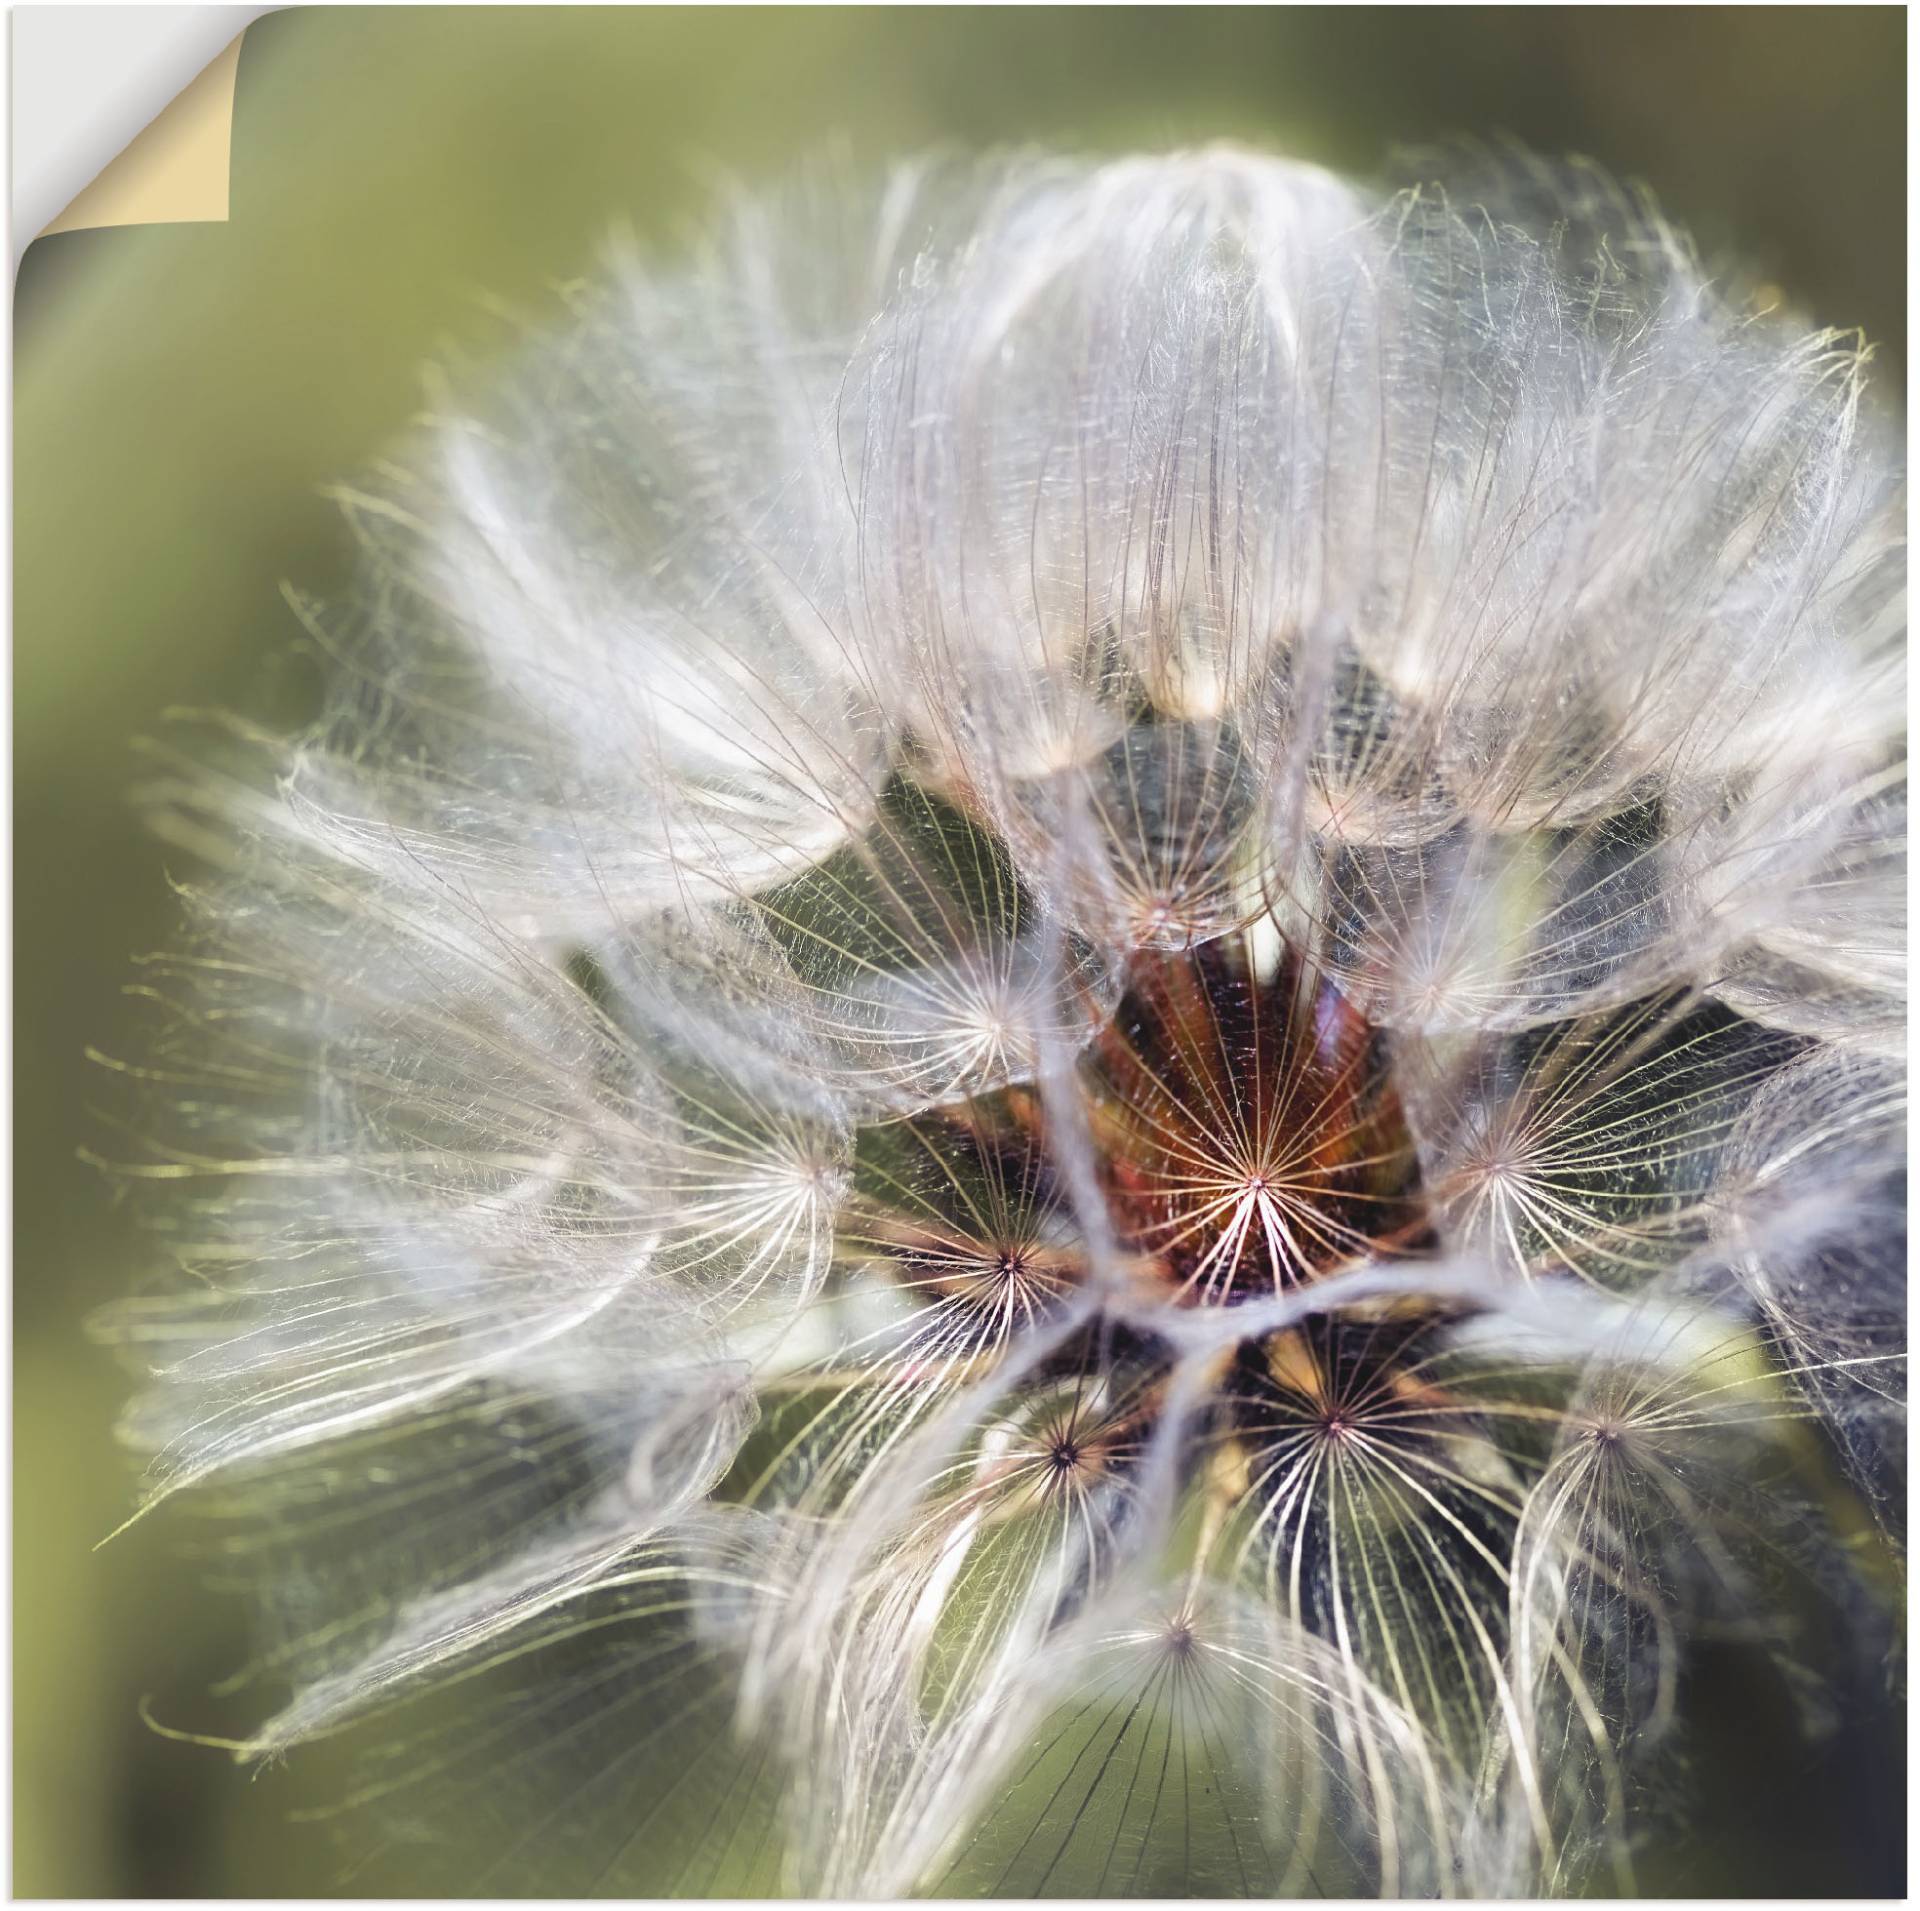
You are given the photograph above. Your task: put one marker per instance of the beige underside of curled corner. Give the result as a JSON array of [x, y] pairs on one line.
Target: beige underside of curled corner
[[176, 168]]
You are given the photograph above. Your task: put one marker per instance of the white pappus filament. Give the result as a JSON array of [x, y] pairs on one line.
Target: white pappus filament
[[1075, 1061]]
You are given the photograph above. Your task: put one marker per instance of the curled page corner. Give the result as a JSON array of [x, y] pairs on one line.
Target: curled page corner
[[123, 115], [175, 168]]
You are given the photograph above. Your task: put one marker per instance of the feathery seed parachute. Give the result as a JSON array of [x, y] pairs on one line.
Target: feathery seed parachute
[[1075, 1063]]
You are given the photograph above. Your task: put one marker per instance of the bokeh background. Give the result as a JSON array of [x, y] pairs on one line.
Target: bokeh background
[[183, 391]]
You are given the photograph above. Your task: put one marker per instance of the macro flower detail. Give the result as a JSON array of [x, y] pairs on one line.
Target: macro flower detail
[[1074, 1062]]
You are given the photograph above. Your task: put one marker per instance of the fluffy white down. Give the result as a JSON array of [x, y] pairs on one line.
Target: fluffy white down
[[642, 1076]]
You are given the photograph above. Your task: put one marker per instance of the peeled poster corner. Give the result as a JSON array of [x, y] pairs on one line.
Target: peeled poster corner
[[122, 116]]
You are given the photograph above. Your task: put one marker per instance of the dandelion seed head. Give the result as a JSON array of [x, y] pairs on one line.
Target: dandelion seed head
[[1092, 971]]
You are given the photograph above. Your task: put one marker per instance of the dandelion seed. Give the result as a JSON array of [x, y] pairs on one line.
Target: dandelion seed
[[1073, 1066]]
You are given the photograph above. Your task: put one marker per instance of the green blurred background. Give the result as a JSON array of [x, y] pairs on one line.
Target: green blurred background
[[182, 392]]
